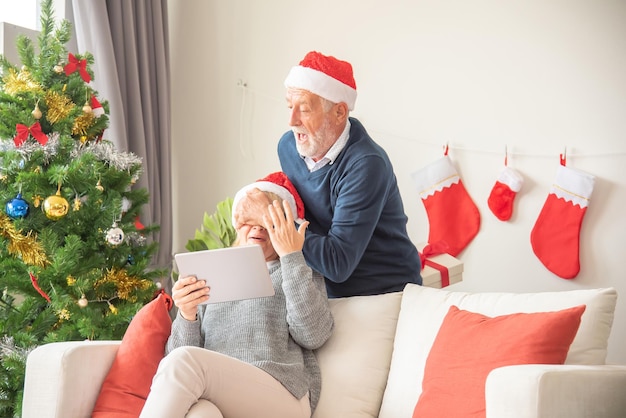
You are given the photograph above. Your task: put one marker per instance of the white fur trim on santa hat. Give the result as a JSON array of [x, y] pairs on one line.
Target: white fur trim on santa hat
[[321, 84], [267, 186]]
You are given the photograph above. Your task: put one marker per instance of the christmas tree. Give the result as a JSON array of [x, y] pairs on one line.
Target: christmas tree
[[74, 256]]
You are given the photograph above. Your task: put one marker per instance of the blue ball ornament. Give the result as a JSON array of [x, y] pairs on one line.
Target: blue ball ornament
[[17, 207]]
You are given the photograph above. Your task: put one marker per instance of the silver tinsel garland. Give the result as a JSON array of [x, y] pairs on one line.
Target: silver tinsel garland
[[8, 348], [103, 150]]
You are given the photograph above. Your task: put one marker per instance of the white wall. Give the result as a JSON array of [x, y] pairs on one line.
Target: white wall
[[535, 76], [24, 14]]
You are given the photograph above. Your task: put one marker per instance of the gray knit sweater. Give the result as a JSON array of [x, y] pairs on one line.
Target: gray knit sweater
[[255, 330]]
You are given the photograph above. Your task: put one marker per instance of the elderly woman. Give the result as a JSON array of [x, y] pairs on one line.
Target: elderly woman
[[249, 358]]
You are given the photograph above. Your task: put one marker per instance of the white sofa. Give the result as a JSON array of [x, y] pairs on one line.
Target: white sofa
[[374, 363]]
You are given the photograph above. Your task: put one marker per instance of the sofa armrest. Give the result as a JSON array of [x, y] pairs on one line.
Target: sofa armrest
[[63, 379], [556, 391]]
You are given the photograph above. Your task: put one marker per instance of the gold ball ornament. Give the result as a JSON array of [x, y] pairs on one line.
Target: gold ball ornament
[[55, 207], [87, 108], [58, 69], [83, 302], [36, 112]]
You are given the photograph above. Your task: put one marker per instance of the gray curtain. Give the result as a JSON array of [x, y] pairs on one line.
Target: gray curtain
[[129, 40]]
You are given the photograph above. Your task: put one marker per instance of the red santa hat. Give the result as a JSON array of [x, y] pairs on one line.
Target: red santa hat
[[325, 76], [96, 107], [279, 184]]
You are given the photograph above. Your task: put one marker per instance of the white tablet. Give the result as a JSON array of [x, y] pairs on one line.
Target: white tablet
[[233, 273]]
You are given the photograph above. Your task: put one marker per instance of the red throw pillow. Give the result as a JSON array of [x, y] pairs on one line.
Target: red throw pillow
[[469, 345], [126, 386]]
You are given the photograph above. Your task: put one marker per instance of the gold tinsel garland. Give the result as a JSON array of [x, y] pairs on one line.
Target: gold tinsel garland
[[21, 82], [25, 246], [59, 106], [124, 284], [82, 123]]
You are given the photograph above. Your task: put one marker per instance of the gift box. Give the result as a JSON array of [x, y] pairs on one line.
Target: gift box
[[435, 267]]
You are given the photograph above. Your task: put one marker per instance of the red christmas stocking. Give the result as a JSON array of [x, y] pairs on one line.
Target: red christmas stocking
[[503, 193], [556, 234], [452, 215]]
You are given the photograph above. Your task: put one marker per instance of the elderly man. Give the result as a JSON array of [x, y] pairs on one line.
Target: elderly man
[[357, 236]]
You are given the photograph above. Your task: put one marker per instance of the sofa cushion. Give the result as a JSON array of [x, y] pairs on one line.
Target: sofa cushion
[[470, 345], [355, 360], [423, 309], [126, 386]]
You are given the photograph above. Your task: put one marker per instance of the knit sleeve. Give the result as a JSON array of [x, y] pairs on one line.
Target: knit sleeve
[[308, 312], [185, 333]]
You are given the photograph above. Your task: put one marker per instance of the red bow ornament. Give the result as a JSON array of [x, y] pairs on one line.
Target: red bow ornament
[[75, 64], [431, 250], [24, 131]]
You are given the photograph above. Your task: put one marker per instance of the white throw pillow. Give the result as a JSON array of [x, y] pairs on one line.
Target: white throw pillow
[[355, 360], [422, 312]]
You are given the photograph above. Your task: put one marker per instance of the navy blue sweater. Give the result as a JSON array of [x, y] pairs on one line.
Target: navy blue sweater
[[357, 236]]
